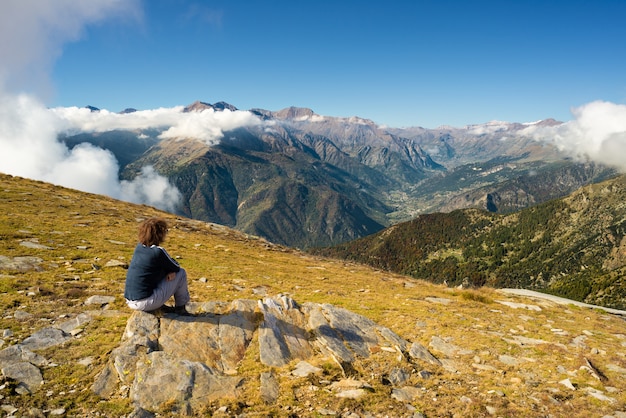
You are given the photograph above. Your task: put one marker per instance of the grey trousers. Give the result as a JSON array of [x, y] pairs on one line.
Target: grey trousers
[[166, 289]]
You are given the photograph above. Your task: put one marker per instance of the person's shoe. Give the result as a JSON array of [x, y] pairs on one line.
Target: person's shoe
[[181, 310], [167, 309]]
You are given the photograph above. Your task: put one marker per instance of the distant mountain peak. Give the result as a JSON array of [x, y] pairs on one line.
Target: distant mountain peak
[[199, 106], [294, 113], [92, 108]]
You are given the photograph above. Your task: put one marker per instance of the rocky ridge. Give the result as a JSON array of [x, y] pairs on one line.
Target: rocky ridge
[[184, 362]]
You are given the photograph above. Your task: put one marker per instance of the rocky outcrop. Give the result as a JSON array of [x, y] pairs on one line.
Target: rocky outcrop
[[179, 363]]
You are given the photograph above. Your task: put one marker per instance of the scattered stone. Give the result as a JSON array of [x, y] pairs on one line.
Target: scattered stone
[[349, 384], [523, 341], [448, 349], [27, 375], [516, 305], [351, 394], [73, 324], [34, 245], [568, 384], [57, 412], [484, 367], [424, 374], [579, 341], [406, 393], [45, 338], [86, 361], [269, 387], [497, 393], [449, 365], [509, 360], [598, 394], [419, 352], [116, 263], [22, 315], [303, 369], [616, 368], [99, 300], [21, 264], [259, 291], [398, 376], [35, 413], [9, 409], [442, 301], [18, 353]]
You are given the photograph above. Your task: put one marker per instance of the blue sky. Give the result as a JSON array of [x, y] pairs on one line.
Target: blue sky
[[400, 63]]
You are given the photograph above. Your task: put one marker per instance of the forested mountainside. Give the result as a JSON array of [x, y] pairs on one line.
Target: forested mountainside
[[573, 247]]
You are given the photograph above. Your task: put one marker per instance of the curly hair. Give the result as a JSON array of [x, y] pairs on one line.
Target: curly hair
[[152, 231]]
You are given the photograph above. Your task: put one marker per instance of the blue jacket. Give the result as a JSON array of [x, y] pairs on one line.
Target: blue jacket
[[147, 269]]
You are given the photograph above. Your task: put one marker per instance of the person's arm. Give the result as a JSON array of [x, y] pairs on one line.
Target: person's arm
[[168, 264]]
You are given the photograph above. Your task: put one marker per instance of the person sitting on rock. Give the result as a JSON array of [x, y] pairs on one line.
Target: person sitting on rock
[[153, 276]]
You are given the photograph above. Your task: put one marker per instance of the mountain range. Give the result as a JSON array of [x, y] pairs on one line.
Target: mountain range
[[305, 180]]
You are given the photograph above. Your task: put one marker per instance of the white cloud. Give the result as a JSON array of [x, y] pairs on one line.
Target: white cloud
[[209, 125], [598, 132], [28, 139], [151, 188], [75, 119], [33, 32], [86, 168], [29, 132]]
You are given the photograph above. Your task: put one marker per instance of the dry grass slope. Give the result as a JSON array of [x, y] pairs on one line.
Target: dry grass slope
[[82, 232]]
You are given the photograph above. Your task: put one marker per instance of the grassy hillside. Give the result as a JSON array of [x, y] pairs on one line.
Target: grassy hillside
[[76, 236], [573, 247]]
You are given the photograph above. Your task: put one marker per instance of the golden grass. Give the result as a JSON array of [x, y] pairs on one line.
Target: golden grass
[[86, 231]]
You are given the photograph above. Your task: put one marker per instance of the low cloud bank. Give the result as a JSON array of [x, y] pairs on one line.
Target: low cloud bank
[[598, 132], [151, 188], [29, 138], [207, 125]]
